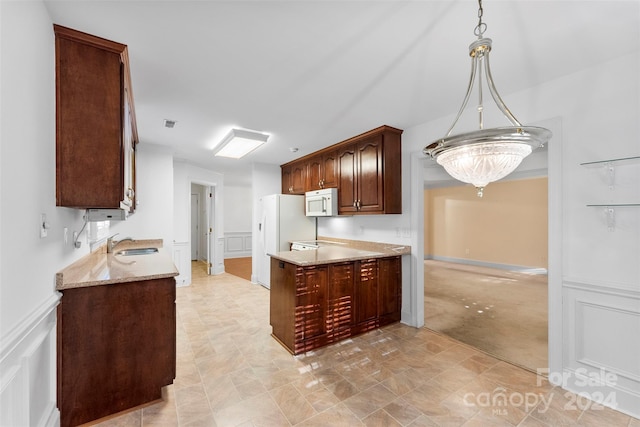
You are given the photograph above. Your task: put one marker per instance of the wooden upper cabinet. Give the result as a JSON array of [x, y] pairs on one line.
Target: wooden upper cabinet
[[314, 173], [96, 131], [347, 189], [366, 170], [322, 171], [294, 178], [286, 179], [369, 174], [361, 175]]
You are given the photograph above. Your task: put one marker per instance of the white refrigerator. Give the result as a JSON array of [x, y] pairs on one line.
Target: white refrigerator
[[281, 219]]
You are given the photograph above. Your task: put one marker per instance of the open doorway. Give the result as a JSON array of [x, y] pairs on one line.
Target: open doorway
[[485, 267], [201, 225]]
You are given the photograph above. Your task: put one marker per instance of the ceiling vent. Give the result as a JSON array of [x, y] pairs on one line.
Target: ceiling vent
[[169, 123]]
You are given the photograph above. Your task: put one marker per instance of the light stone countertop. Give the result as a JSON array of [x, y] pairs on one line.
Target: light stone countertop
[[100, 268], [341, 251]]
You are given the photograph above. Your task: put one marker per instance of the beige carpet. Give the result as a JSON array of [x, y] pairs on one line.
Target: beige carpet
[[239, 267], [500, 312]]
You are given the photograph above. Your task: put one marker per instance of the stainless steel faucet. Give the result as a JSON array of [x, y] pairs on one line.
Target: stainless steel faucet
[[111, 244]]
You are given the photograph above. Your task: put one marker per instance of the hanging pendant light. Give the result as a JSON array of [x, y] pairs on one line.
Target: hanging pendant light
[[485, 155]]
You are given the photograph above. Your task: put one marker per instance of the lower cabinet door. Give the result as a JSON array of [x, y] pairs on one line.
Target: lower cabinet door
[[311, 311], [366, 287], [390, 289], [341, 300]]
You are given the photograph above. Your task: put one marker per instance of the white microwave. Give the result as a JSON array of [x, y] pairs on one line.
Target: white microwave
[[321, 202]]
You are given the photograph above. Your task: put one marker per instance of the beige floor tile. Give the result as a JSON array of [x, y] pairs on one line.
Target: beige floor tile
[[381, 418], [402, 411], [338, 416], [192, 405], [231, 372], [322, 399], [292, 404], [370, 400]]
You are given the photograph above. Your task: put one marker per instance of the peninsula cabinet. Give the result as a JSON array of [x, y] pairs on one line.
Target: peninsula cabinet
[[116, 347], [312, 306], [96, 132]]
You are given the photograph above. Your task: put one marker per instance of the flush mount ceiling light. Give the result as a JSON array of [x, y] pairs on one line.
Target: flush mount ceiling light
[[239, 143], [485, 155]]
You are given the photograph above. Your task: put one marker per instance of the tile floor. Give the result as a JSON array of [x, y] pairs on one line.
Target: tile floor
[[501, 312], [232, 373]]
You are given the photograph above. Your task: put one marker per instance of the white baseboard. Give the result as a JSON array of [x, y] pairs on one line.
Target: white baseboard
[[508, 267]]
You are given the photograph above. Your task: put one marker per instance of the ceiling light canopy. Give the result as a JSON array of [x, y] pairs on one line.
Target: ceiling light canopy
[[240, 142], [485, 155]]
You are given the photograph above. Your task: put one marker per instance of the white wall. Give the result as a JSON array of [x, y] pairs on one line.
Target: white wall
[[153, 218], [183, 175], [27, 184], [237, 212]]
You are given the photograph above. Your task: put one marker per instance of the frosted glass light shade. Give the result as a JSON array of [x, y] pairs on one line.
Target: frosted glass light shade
[[480, 164], [240, 142]]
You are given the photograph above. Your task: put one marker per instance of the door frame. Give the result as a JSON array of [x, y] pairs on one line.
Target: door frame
[[555, 230]]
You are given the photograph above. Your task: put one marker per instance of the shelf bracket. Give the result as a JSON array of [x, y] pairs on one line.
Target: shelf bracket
[[610, 174], [610, 215]]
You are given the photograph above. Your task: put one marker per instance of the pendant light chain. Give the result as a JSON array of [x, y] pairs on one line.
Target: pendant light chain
[[481, 27]]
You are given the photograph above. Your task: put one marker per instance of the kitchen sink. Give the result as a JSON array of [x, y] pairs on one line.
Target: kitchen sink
[[137, 251]]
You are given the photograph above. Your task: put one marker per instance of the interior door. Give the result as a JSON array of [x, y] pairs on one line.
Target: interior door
[[211, 240], [195, 223]]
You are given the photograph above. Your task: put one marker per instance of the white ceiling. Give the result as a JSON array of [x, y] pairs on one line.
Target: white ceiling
[[313, 73]]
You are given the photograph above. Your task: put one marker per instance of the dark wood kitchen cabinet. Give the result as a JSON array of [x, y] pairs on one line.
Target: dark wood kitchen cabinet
[[317, 305], [361, 177], [96, 132], [322, 171], [369, 173], [366, 170], [116, 347], [294, 178]]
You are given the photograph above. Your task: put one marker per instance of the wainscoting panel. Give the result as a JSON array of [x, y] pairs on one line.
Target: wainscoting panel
[[28, 370], [602, 349], [182, 260], [237, 244]]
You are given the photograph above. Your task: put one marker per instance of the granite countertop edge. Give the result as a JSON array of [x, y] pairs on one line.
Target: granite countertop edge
[[101, 268], [349, 250]]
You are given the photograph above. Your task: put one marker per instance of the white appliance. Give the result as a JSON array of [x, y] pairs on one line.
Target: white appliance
[[321, 202], [281, 220]]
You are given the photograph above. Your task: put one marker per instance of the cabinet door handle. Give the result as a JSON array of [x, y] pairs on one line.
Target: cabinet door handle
[[355, 204], [130, 193]]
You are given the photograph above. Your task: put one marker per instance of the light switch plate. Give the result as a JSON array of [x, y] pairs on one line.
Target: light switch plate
[[43, 226]]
